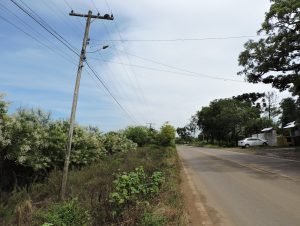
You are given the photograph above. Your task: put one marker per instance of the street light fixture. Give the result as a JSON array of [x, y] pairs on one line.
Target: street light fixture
[[103, 47]]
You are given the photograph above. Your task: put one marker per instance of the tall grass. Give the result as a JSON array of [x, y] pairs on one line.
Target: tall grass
[[91, 187]]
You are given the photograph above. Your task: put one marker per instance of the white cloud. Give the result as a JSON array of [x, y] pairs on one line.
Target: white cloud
[[164, 96]]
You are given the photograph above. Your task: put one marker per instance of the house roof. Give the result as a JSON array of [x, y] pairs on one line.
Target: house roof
[[290, 125], [267, 129]]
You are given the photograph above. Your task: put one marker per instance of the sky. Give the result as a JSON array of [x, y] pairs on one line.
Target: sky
[[165, 60]]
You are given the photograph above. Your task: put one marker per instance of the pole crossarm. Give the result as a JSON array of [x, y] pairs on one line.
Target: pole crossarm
[[105, 17]]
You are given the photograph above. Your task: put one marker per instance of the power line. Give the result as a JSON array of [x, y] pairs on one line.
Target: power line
[[56, 10], [113, 75], [56, 50], [121, 62], [110, 93], [58, 37], [185, 73], [36, 39], [181, 39], [47, 25], [71, 8], [179, 69], [133, 72], [65, 1]]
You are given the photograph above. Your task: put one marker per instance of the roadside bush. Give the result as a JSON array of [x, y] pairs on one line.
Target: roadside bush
[[166, 135], [116, 142], [93, 185], [138, 134], [135, 186], [64, 214]]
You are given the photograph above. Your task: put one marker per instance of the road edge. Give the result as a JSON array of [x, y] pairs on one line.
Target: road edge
[[199, 212]]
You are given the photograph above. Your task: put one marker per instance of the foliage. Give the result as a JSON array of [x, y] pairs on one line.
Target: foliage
[[275, 59], [250, 98], [116, 142], [150, 219], [92, 185], [166, 135], [217, 122], [64, 214], [270, 105], [184, 133], [256, 125], [290, 111], [138, 134], [5, 126], [32, 144], [135, 186]]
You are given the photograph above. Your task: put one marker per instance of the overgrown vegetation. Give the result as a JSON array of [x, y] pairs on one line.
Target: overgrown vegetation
[[132, 188], [111, 182]]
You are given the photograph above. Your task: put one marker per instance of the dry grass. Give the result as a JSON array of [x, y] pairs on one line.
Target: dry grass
[[92, 186]]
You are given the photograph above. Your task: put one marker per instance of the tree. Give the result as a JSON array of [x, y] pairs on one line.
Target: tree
[[275, 59], [270, 105], [192, 126], [250, 98], [166, 135], [138, 134], [255, 126], [184, 133], [290, 111], [5, 127], [224, 120]]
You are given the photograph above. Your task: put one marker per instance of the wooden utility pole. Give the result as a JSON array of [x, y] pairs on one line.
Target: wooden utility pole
[[150, 125], [89, 16]]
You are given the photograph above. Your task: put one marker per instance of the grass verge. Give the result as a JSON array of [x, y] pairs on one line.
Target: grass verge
[[146, 199]]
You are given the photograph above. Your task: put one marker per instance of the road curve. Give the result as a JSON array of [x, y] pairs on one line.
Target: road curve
[[244, 189]]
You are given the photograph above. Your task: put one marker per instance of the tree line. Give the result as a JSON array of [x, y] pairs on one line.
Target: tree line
[[227, 120], [32, 144]]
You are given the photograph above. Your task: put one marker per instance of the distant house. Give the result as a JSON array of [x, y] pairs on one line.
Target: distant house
[[294, 133], [268, 134]]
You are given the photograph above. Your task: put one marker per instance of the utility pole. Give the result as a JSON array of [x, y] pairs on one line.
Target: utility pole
[[150, 125], [89, 16]]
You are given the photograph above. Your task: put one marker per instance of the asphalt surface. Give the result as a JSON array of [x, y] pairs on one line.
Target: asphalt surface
[[244, 189]]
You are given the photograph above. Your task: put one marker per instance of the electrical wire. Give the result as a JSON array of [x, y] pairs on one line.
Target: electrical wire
[[181, 39], [195, 75], [132, 70], [37, 40], [179, 69], [122, 63], [68, 45], [47, 25], [110, 93], [124, 68], [58, 37], [56, 49], [55, 9]]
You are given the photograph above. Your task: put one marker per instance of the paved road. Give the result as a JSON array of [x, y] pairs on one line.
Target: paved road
[[244, 189]]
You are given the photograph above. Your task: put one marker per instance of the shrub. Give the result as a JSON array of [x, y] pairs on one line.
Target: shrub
[[166, 135], [117, 142], [64, 214], [135, 186], [150, 219], [138, 134]]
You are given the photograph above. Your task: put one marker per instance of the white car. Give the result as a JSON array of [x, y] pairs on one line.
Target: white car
[[251, 141]]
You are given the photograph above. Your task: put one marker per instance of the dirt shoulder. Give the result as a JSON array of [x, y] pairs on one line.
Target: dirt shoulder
[[198, 213], [275, 152]]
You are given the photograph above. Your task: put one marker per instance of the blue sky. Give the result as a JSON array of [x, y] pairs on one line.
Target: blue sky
[[34, 76]]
